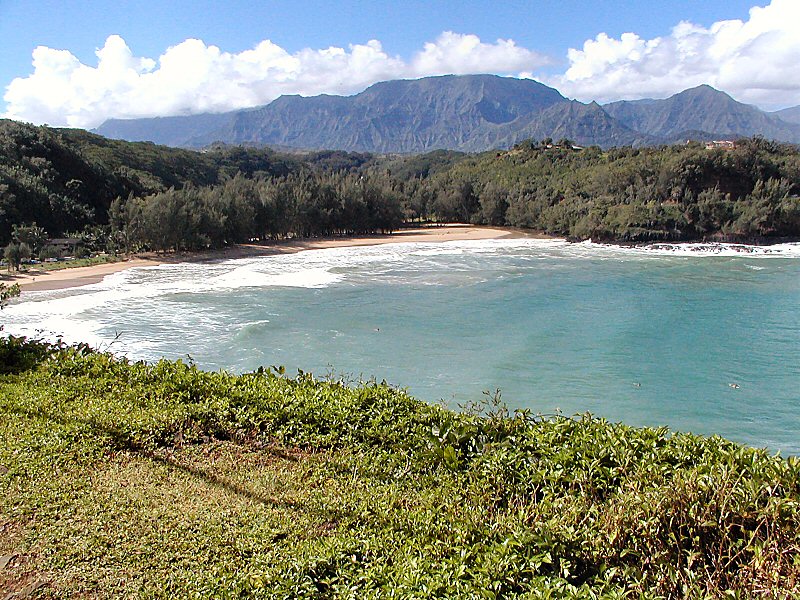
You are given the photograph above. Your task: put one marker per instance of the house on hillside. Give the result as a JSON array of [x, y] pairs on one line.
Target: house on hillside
[[63, 246], [721, 145]]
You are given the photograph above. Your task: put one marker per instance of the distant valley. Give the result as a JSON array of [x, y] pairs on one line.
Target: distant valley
[[470, 113]]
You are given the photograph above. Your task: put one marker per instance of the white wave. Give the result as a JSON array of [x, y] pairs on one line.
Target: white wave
[[700, 249], [438, 252], [253, 324], [81, 314], [310, 278], [55, 328]]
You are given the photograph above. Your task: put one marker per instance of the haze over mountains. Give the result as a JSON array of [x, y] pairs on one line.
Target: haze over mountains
[[466, 112]]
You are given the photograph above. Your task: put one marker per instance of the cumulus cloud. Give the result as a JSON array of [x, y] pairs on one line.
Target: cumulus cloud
[[755, 60], [458, 54], [192, 77]]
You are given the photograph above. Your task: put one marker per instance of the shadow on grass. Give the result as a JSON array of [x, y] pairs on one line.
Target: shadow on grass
[[121, 441]]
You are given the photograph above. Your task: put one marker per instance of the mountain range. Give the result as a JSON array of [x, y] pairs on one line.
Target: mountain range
[[790, 115], [463, 112]]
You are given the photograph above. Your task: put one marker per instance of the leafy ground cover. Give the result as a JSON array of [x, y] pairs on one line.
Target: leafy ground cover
[[125, 479]]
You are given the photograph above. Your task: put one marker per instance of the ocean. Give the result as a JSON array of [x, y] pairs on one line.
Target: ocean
[[701, 338]]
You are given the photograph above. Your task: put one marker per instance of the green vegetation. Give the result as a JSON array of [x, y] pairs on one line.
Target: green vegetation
[[78, 262], [681, 192], [111, 195], [243, 210], [6, 293], [131, 480], [114, 195]]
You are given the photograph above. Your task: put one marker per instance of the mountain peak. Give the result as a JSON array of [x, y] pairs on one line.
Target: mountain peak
[[702, 91], [702, 86], [459, 112], [701, 109]]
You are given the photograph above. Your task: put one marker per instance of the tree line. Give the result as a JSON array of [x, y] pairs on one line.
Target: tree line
[[120, 196], [680, 192], [301, 205]]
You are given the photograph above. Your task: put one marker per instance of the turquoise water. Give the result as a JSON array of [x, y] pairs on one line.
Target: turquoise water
[[643, 336]]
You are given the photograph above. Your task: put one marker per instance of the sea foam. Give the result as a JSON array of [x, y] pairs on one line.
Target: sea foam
[[88, 313]]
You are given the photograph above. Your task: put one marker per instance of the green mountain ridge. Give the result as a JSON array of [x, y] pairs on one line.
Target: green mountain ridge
[[447, 112], [469, 113], [702, 108], [585, 124]]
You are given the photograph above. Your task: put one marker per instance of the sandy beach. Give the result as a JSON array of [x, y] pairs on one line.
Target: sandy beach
[[33, 280]]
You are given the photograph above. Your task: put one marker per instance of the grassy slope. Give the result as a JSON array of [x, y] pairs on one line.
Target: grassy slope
[[128, 480]]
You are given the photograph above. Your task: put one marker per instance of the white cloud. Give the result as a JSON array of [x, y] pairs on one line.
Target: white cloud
[[463, 54], [192, 77], [756, 61]]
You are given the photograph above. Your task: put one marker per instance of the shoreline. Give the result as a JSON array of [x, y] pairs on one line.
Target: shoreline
[[71, 277], [34, 281]]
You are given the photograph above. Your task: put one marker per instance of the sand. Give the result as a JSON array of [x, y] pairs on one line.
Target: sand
[[33, 280]]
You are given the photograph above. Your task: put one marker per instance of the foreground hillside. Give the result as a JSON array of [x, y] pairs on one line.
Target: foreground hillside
[[134, 480]]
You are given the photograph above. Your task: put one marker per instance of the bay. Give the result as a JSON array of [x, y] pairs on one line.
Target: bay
[[699, 338]]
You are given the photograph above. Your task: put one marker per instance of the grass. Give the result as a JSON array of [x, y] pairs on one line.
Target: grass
[[43, 267], [153, 481], [77, 262]]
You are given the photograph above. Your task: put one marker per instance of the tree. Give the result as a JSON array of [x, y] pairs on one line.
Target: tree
[[32, 235], [457, 201], [494, 204], [127, 223], [15, 254]]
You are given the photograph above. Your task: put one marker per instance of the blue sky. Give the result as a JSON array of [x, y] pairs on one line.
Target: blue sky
[[140, 76]]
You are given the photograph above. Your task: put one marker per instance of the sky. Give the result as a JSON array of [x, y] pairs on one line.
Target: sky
[[77, 63]]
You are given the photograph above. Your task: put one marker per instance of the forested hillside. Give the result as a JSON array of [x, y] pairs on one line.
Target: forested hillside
[[133, 196], [65, 180], [679, 192]]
